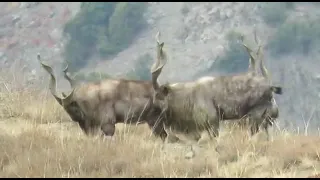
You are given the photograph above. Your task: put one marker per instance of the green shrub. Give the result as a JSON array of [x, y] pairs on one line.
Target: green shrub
[[275, 13], [185, 10], [141, 69], [233, 36], [105, 28], [297, 37], [235, 58], [91, 77], [126, 21], [289, 5]]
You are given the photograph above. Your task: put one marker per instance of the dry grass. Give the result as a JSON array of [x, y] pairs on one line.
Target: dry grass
[[37, 139]]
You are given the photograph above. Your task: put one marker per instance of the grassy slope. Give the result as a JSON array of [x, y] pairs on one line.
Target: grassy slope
[[37, 139]]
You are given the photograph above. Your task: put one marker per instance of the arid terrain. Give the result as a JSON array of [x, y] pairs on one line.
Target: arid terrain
[[38, 139]]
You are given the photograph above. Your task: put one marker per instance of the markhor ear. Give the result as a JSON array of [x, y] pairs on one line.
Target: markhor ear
[[165, 90], [161, 45]]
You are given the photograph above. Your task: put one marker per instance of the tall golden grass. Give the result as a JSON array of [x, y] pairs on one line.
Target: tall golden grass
[[38, 139]]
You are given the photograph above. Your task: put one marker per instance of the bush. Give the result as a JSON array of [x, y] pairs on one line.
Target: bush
[[289, 5], [275, 13], [185, 10], [105, 28], [296, 37], [142, 69], [91, 77], [235, 58], [126, 21]]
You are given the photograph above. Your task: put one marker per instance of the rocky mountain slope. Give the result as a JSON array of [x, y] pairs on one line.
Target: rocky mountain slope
[[28, 28], [194, 35]]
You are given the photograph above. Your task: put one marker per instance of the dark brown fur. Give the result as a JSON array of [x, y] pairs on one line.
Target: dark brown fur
[[196, 106], [100, 105]]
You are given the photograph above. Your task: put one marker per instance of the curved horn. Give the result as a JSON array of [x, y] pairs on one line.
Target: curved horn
[[252, 61], [53, 85], [263, 68], [157, 37], [260, 54], [160, 62], [68, 78]]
